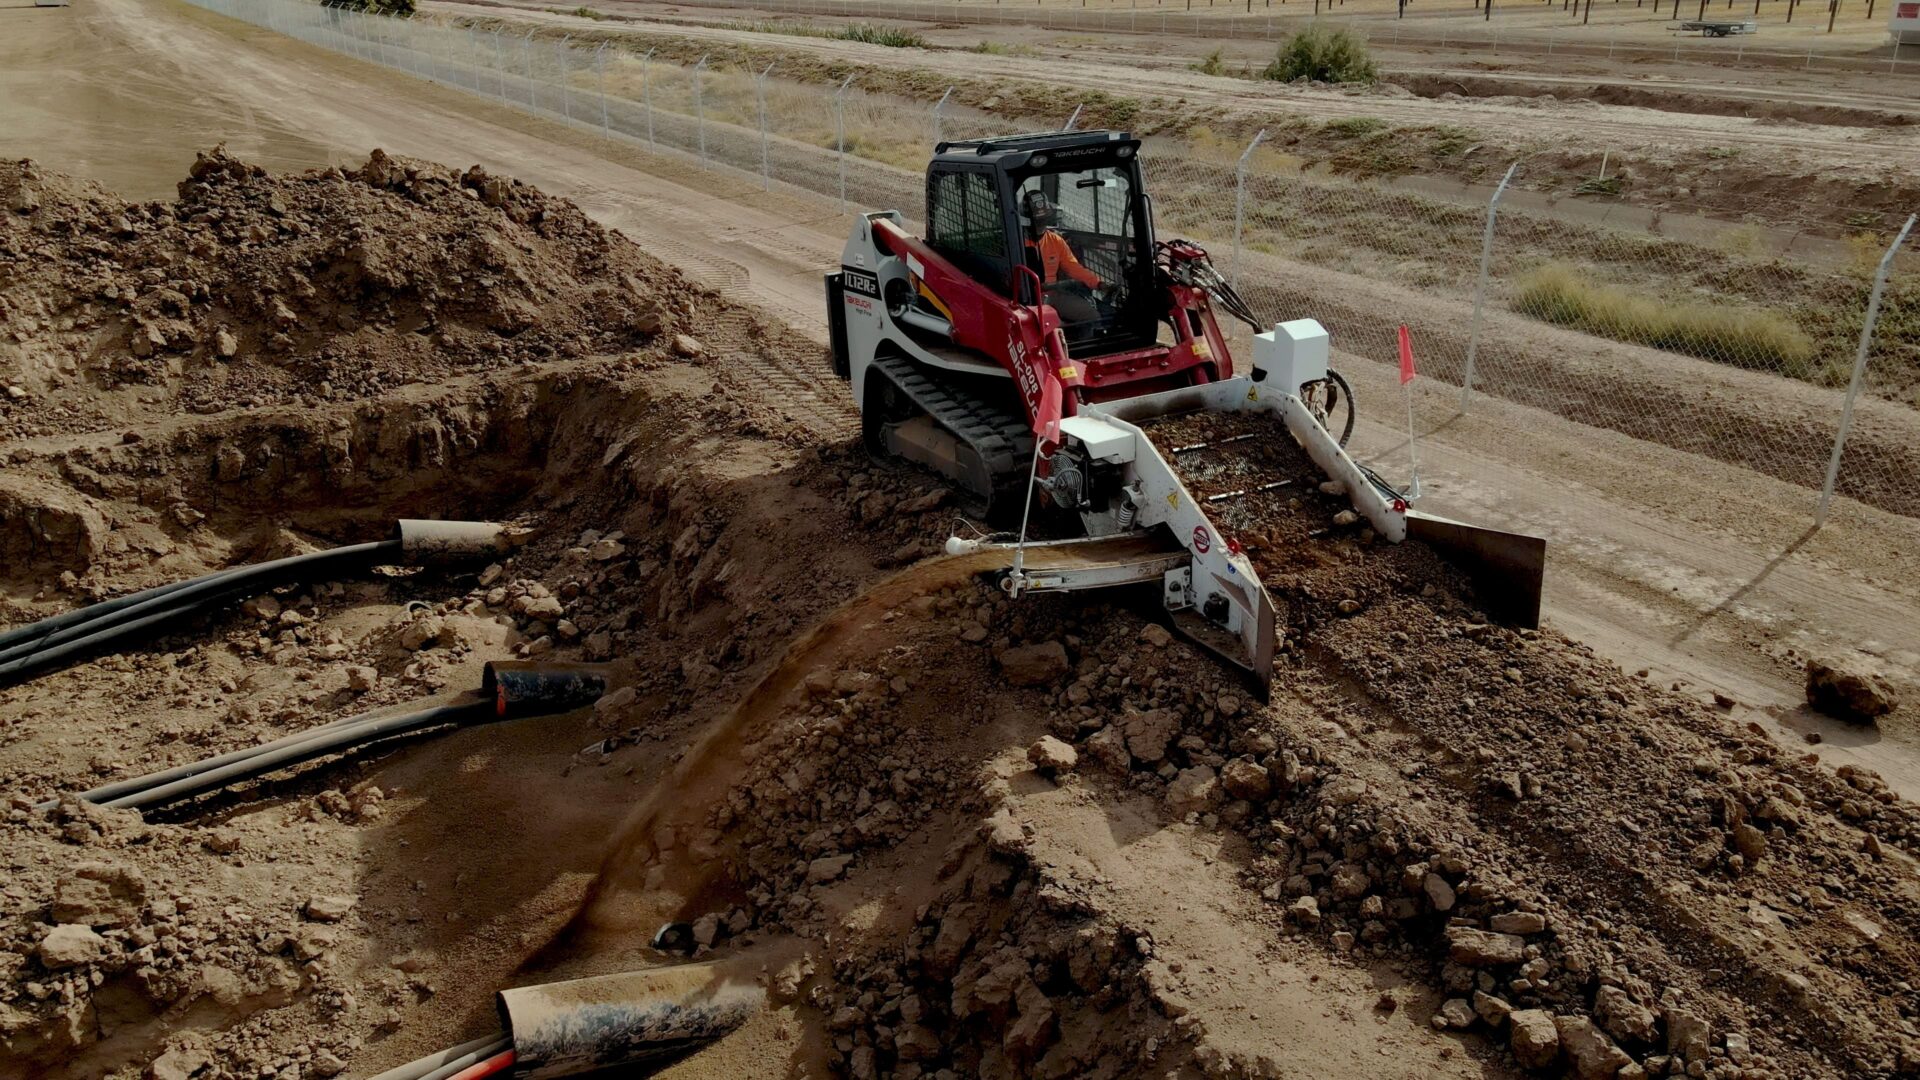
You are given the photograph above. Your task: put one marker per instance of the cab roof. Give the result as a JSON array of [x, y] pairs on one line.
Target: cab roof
[[1018, 151]]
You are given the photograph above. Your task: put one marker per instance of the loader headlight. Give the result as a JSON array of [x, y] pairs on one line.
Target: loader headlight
[[1040, 161], [1125, 152]]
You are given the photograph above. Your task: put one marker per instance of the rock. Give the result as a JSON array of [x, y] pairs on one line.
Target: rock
[[1849, 695], [544, 608], [1688, 1034], [1148, 733], [327, 1063], [1491, 1009], [329, 908], [1345, 518], [1194, 789], [686, 346], [1439, 893], [1246, 779], [179, 1063], [1454, 1013], [100, 894], [614, 704], [1518, 922], [361, 678], [1750, 842], [1109, 747], [916, 1042], [222, 841], [1305, 911], [1478, 948], [1623, 1017], [604, 550], [1156, 635], [420, 633], [1588, 1050], [1050, 756], [1535, 1038], [706, 929], [311, 942], [1034, 665], [70, 945], [225, 345], [1349, 880], [1033, 1028], [950, 943], [827, 868]]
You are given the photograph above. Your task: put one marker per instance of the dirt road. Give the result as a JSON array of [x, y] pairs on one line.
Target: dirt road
[[1700, 573], [1797, 145]]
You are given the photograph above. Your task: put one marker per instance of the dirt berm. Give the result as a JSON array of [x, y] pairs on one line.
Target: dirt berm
[[983, 838]]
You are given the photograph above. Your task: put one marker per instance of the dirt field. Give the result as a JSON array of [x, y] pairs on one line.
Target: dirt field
[[1444, 849]]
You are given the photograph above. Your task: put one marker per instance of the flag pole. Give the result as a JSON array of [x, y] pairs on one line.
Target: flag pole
[[1407, 375]]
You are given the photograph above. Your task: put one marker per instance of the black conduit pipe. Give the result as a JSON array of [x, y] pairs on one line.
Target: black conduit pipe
[[259, 578], [327, 741], [509, 690], [29, 650]]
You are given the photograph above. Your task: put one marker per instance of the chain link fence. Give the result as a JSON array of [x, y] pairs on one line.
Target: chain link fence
[[1784, 348]]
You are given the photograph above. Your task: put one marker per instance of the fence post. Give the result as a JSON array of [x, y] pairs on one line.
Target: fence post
[[1075, 118], [840, 136], [600, 76], [646, 92], [565, 69], [526, 56], [937, 106], [500, 63], [1859, 371], [1480, 291], [1240, 205], [700, 108], [760, 98]]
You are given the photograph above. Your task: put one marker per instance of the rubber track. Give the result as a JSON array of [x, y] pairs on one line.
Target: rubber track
[[1003, 440]]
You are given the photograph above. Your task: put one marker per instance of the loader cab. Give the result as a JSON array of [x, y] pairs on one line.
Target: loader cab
[[978, 194]]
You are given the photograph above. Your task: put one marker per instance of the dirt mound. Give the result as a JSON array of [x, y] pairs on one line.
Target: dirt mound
[[254, 290]]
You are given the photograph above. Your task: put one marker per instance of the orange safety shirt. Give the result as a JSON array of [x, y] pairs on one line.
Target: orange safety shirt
[[1056, 255]]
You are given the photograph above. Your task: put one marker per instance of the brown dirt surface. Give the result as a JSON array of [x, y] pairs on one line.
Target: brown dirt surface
[[1438, 833]]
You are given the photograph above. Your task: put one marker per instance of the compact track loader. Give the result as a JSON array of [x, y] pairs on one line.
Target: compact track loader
[[1026, 345]]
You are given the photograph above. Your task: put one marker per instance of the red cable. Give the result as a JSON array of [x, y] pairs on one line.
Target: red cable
[[494, 1065]]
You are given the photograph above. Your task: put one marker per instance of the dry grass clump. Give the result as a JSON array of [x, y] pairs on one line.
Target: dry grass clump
[[1728, 333]]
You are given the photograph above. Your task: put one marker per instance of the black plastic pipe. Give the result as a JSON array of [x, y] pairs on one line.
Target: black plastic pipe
[[258, 577], [11, 638], [326, 741], [35, 661], [510, 690]]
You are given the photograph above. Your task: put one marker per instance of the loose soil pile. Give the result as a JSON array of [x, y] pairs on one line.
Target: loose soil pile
[[974, 837]]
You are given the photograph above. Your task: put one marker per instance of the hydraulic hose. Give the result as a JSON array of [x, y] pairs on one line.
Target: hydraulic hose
[[421, 1068]]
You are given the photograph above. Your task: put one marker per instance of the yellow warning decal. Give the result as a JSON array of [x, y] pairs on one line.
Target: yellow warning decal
[[1253, 393], [920, 286], [1068, 372], [1173, 500], [1200, 349]]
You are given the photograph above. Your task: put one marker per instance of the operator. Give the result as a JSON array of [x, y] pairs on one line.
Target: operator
[[1056, 256]]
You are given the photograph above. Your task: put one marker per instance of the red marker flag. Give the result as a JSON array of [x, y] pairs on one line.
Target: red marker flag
[[1052, 406], [1406, 357]]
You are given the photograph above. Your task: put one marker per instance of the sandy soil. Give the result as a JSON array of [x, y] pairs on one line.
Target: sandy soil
[[1709, 580]]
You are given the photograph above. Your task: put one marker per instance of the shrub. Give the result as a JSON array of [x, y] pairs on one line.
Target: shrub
[[1728, 333], [588, 13], [1001, 48], [873, 34], [1323, 55], [1214, 64]]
